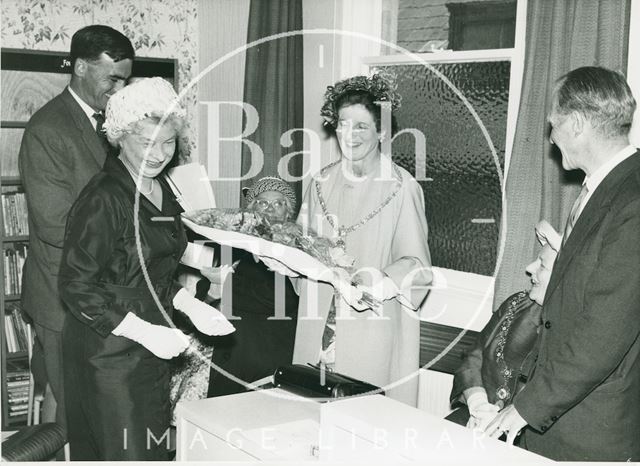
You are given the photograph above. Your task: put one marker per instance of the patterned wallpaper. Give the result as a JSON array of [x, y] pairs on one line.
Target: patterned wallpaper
[[157, 28]]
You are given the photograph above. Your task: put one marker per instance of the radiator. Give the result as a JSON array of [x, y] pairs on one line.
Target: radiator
[[433, 392]]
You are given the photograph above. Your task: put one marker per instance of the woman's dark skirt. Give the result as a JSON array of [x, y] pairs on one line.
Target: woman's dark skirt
[[117, 395]]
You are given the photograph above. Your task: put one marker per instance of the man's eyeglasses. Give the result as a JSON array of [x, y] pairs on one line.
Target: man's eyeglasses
[[277, 204]]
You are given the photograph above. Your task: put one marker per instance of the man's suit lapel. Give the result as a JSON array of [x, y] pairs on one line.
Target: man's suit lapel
[[592, 214], [88, 134], [589, 218]]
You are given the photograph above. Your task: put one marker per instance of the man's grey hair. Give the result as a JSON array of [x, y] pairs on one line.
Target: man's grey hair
[[600, 95]]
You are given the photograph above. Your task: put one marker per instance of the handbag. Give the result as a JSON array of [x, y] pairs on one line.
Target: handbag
[[311, 382]]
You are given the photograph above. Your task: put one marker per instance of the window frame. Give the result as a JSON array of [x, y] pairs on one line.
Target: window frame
[[515, 55]]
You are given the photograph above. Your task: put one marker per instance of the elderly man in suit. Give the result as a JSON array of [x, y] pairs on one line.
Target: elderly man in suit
[[62, 148], [582, 401]]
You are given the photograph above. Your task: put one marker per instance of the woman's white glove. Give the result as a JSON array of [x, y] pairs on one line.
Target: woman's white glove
[[207, 319], [164, 342], [383, 289], [352, 295], [481, 412], [217, 275]]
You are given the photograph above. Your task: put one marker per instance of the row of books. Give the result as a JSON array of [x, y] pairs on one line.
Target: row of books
[[14, 258], [18, 381], [14, 214], [15, 329]]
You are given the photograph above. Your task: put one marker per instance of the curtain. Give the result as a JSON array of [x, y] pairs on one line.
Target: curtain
[[561, 35], [273, 85]]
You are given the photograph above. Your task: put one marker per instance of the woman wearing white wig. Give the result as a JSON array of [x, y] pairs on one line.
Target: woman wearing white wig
[[119, 337]]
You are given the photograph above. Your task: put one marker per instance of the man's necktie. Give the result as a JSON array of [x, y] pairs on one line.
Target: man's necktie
[[99, 117], [573, 215]]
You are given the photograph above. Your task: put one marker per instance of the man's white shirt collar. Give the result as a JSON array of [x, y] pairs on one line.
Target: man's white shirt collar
[[601, 173], [85, 108], [592, 182]]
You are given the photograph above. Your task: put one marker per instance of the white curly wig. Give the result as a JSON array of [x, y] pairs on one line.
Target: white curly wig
[[144, 98]]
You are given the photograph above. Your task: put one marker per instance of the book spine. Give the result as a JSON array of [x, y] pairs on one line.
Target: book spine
[[18, 382], [7, 281], [14, 215], [22, 214], [21, 258], [19, 378], [5, 215], [14, 272], [13, 346], [7, 334], [20, 329]]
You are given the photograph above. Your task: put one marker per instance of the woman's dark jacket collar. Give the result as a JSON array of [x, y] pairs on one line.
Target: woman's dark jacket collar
[[114, 167]]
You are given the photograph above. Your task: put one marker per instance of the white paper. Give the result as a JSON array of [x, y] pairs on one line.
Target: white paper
[[192, 187], [198, 256]]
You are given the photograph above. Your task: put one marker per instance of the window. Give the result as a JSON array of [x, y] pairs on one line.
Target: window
[[481, 25], [461, 187], [459, 100], [431, 25]]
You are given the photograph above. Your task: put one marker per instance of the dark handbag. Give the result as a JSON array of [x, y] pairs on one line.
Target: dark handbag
[[308, 381]]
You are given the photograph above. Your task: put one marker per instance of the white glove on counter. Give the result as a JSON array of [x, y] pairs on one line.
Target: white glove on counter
[[164, 342], [207, 319]]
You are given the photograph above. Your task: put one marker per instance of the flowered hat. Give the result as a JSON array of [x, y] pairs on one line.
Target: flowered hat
[[272, 183], [381, 86], [144, 98]]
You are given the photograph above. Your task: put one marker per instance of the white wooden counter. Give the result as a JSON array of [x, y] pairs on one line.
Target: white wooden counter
[[273, 425]]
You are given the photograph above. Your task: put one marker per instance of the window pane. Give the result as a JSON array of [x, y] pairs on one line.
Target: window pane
[[463, 199], [429, 25]]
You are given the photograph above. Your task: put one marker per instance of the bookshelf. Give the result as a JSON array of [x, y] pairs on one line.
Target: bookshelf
[[29, 79], [15, 240]]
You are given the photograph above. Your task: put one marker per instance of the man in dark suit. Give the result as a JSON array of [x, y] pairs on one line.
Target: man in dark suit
[[62, 148], [582, 400]]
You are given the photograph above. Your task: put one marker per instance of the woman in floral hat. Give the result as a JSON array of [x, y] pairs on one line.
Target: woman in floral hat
[[374, 210]]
